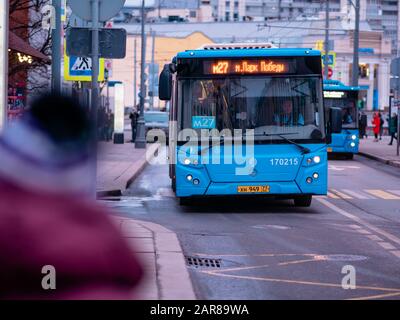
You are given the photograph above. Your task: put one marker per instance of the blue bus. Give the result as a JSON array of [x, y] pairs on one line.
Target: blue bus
[[338, 95], [228, 99]]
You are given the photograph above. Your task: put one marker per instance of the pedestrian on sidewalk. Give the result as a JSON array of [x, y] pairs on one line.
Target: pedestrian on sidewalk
[[381, 124], [110, 125], [55, 242], [393, 122], [363, 125], [134, 116], [376, 122]]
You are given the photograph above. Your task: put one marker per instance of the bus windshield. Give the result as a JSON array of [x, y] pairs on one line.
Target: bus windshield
[[272, 106], [349, 110]]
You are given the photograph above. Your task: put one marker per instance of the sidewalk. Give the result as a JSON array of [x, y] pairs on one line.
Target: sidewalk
[[118, 165], [160, 252], [157, 247], [380, 151]]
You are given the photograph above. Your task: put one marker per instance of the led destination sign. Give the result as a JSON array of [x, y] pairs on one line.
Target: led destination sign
[[259, 66]]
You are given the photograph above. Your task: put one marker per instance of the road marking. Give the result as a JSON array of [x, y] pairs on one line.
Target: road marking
[[341, 168], [333, 196], [386, 246], [374, 237], [357, 195], [396, 253], [383, 194], [311, 283], [397, 192], [386, 295], [359, 220], [363, 231], [341, 194]]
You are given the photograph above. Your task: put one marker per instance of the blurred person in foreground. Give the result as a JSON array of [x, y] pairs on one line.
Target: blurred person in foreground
[[47, 216]]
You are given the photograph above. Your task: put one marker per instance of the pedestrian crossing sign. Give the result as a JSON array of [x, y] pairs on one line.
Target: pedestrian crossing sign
[[80, 69]]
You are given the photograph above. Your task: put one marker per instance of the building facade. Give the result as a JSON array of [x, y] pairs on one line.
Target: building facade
[[375, 48]]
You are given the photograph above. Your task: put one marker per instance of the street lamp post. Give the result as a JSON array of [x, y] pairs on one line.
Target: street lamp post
[[56, 49], [355, 70], [326, 60], [141, 139]]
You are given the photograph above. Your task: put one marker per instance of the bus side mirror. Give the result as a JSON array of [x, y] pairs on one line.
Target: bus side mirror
[[165, 90], [336, 120]]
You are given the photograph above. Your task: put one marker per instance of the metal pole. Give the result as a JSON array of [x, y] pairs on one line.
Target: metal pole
[[56, 49], [152, 76], [398, 131], [135, 75], [141, 139], [355, 71], [326, 60], [4, 62], [95, 83]]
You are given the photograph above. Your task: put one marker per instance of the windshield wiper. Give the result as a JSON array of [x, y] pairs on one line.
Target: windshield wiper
[[304, 150]]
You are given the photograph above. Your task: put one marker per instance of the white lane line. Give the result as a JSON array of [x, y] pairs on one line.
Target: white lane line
[[342, 212], [341, 194], [396, 253], [387, 246], [383, 194], [397, 192], [363, 231], [357, 195], [374, 237]]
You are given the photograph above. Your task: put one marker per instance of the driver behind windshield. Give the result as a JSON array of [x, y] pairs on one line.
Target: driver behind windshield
[[287, 117]]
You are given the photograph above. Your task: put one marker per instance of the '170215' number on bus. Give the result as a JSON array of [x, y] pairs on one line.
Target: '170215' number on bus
[[284, 162]]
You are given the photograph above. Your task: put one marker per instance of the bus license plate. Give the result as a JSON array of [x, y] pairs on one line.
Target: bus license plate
[[253, 189]]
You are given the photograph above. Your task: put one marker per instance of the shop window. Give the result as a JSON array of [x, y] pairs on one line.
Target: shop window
[[364, 71]]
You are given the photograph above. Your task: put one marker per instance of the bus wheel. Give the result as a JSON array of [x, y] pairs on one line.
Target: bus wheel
[[303, 201], [173, 185], [185, 201]]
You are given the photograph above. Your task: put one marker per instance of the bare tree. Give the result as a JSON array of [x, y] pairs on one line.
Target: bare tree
[[31, 31]]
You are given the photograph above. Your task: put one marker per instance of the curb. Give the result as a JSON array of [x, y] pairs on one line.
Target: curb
[[379, 159], [172, 276], [118, 192]]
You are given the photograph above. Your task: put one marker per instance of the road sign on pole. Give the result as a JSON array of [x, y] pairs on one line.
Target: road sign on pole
[[112, 43], [330, 73], [80, 69], [107, 9], [331, 58], [4, 62]]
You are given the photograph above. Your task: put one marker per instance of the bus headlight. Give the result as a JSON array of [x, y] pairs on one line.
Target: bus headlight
[[317, 159], [354, 137], [189, 177], [315, 175], [352, 144], [187, 162]]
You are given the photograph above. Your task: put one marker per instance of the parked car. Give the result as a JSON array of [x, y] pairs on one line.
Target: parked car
[[156, 120]]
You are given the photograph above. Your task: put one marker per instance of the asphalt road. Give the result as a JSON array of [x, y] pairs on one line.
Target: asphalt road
[[266, 249]]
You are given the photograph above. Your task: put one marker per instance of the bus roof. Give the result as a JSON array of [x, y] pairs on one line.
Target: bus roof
[[245, 52], [336, 85]]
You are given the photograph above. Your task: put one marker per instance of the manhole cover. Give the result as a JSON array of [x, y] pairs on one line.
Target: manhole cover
[[198, 262], [340, 257]]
